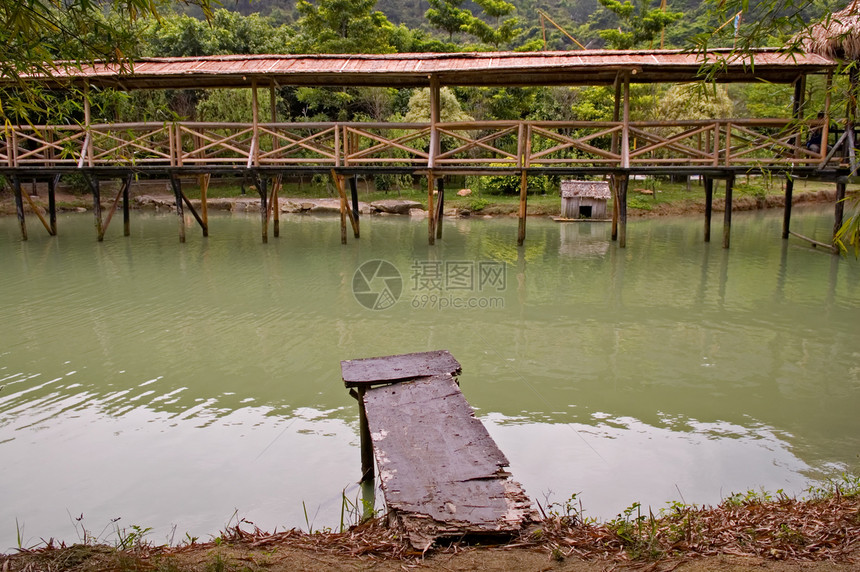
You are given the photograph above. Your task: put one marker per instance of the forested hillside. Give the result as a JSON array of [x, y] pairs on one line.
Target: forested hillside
[[583, 19]]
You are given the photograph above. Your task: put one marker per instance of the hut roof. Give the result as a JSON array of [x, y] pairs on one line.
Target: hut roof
[[585, 189], [588, 67], [837, 36]]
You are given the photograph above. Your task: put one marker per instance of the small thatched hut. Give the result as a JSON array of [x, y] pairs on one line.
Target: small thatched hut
[[584, 199], [837, 36]]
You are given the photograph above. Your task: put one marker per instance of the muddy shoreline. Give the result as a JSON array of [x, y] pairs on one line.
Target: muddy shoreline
[[742, 533], [160, 200]]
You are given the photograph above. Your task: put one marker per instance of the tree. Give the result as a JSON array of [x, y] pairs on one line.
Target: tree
[[639, 23], [35, 34], [342, 27], [689, 101], [225, 33], [504, 32], [449, 107], [447, 15]]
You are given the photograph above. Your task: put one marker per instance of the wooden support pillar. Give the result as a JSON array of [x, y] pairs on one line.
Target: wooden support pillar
[[727, 217], [342, 220], [440, 205], [353, 189], [345, 211], [104, 226], [523, 210], [368, 500], [196, 216], [177, 193], [126, 214], [613, 183], [35, 209], [97, 206], [276, 206], [431, 211], [786, 215], [19, 206], [622, 210], [367, 471], [709, 206], [52, 203], [204, 206], [262, 190], [839, 211]]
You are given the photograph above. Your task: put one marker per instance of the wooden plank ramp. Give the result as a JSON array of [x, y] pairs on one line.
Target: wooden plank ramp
[[442, 475]]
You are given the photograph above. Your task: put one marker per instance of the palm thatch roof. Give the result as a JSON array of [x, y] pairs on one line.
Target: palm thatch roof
[[837, 36]]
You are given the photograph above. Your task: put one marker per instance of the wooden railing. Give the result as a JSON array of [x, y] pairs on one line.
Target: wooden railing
[[468, 145]]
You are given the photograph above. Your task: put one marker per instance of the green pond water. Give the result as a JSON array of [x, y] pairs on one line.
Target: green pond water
[[184, 386]]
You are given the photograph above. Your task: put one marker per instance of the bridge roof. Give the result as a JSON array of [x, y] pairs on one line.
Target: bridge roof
[[588, 67]]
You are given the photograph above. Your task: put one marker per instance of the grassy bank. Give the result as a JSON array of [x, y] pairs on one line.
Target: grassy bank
[[750, 530]]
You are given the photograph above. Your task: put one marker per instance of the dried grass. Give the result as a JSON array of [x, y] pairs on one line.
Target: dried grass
[[784, 529], [836, 37]]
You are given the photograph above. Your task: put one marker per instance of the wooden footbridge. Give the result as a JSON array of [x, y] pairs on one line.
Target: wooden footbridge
[[442, 474], [267, 151]]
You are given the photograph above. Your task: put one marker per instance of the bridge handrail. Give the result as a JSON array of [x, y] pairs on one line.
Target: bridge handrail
[[726, 142]]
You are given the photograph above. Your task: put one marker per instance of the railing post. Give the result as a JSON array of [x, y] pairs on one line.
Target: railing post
[[728, 145], [177, 128], [347, 146], [254, 157], [88, 141], [797, 109], [338, 152], [625, 130], [10, 154], [435, 115], [716, 144], [13, 148], [616, 114], [825, 130]]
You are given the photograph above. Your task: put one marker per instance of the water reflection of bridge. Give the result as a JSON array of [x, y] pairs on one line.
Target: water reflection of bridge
[[268, 151]]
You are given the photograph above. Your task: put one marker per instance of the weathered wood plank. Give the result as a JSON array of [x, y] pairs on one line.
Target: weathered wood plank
[[441, 472], [379, 370]]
